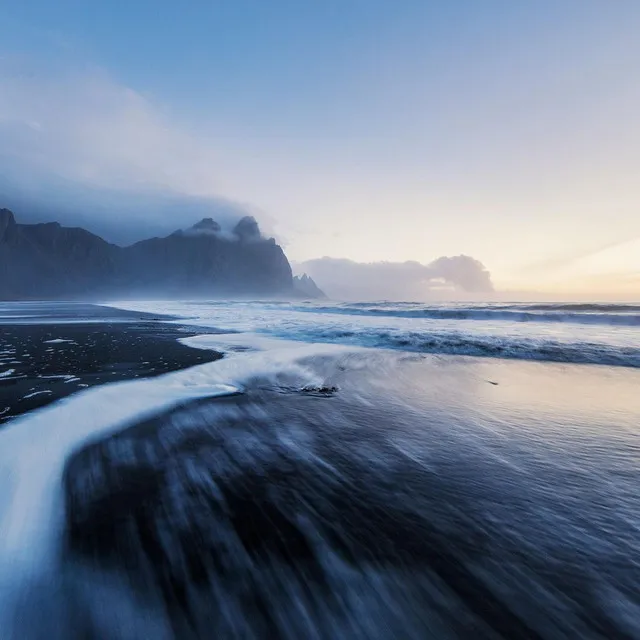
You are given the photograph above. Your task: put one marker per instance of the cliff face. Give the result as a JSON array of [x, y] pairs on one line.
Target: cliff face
[[204, 261], [50, 261], [47, 260]]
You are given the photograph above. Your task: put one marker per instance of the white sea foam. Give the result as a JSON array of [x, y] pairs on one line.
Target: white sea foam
[[6, 374], [416, 328], [38, 393], [35, 447], [57, 341]]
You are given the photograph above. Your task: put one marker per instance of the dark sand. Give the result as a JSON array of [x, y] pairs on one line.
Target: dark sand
[[241, 536], [384, 510], [413, 502], [92, 345]]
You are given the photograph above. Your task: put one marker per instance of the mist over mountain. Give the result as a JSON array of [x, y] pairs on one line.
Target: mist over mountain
[[119, 216], [49, 261]]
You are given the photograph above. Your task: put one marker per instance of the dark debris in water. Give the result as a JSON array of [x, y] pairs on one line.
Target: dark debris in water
[[321, 390]]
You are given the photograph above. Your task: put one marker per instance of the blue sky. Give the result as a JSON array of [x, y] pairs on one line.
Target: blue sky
[[373, 130]]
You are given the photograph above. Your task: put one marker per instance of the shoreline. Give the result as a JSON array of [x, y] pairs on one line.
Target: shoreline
[[279, 500], [42, 362], [292, 477]]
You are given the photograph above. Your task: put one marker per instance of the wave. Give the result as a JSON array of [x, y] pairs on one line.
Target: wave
[[588, 343], [581, 306], [581, 314], [307, 519], [455, 343], [31, 508]]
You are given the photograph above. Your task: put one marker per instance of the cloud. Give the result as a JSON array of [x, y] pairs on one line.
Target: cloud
[[79, 147], [85, 127], [446, 277]]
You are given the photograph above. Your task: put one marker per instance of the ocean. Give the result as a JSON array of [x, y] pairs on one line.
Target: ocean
[[572, 333], [364, 470]]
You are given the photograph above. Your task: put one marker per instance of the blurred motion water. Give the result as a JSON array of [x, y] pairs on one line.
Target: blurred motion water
[[300, 489]]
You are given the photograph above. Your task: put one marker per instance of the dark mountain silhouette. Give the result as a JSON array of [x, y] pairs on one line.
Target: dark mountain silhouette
[[306, 287], [48, 261]]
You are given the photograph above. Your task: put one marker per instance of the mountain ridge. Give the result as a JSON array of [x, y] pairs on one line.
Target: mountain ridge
[[49, 261]]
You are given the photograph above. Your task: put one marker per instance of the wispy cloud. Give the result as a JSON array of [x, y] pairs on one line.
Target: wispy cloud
[[90, 150], [84, 126]]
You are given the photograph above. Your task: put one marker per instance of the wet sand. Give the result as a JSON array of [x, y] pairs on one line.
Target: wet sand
[[444, 497], [63, 349], [457, 498]]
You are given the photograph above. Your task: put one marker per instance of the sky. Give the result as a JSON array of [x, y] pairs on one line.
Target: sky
[[367, 130]]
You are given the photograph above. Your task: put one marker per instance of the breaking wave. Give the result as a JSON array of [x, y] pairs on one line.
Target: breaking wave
[[613, 315], [586, 334], [483, 346], [226, 500]]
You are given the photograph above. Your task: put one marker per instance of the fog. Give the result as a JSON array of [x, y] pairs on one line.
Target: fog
[[78, 148], [119, 217], [446, 277]]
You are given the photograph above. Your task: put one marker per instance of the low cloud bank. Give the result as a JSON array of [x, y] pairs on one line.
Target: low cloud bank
[[79, 148], [446, 277]]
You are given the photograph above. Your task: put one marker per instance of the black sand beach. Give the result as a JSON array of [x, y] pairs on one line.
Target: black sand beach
[[64, 348], [282, 514], [409, 496]]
